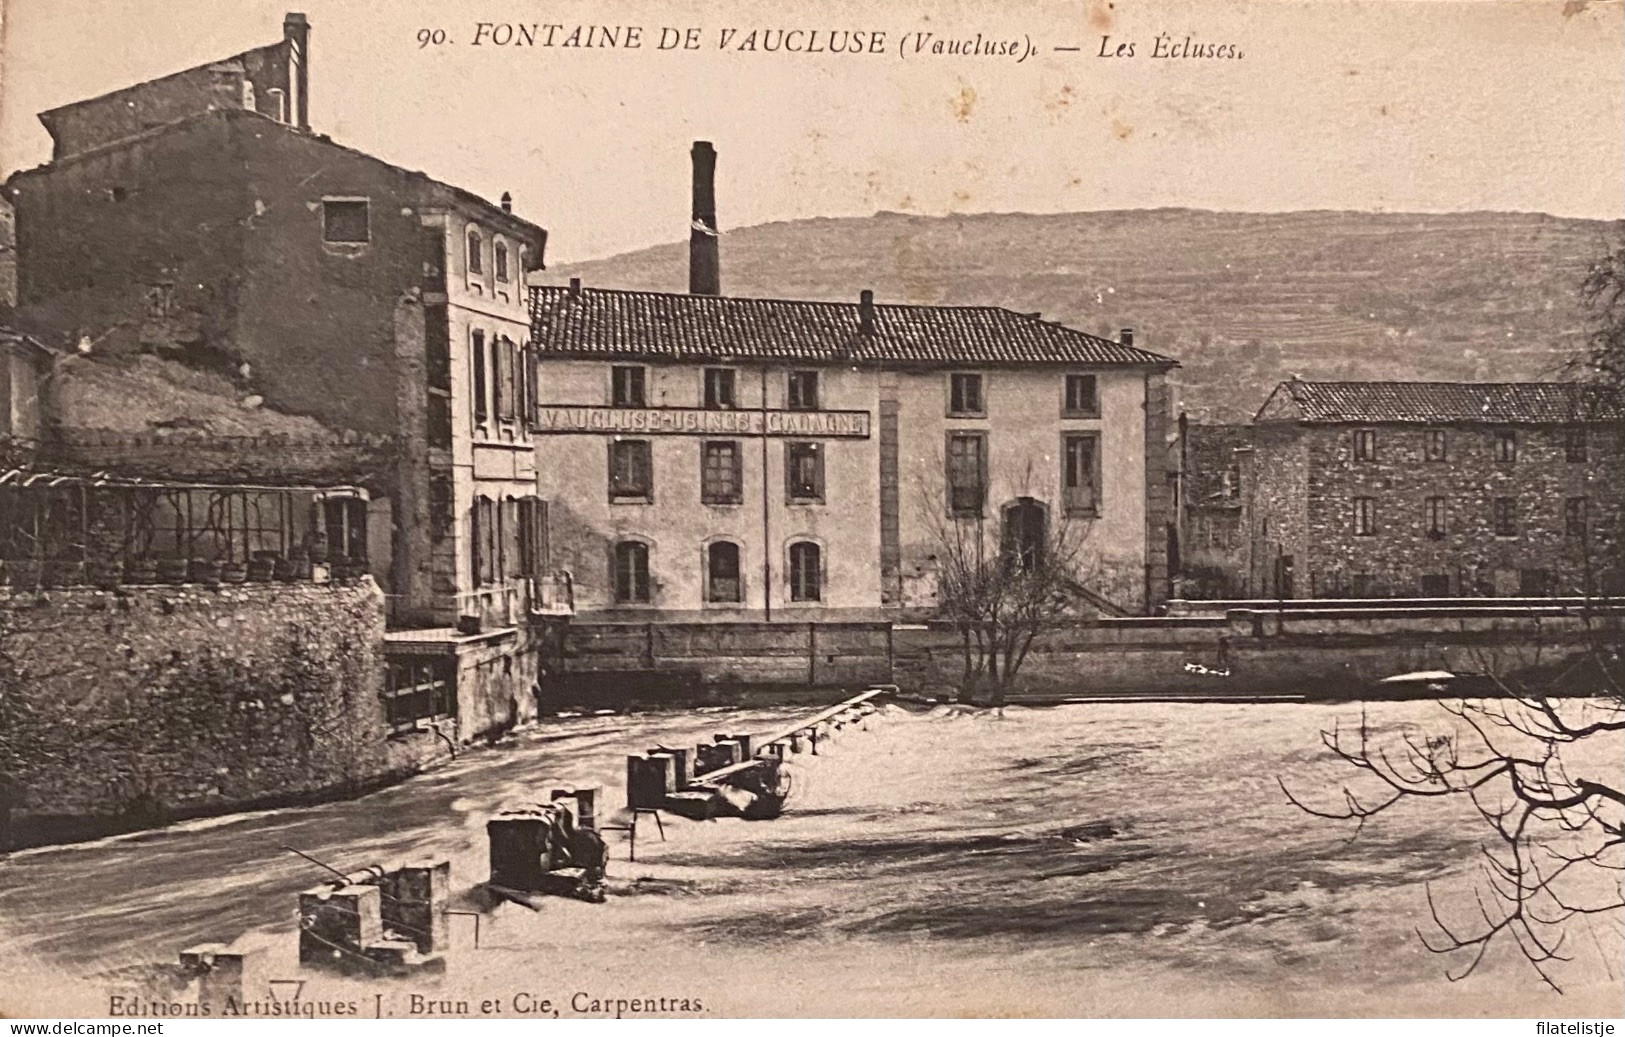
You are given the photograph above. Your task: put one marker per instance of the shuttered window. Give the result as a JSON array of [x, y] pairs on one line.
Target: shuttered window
[[967, 473]]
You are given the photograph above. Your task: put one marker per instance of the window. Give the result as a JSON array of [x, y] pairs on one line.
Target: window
[[524, 372], [1437, 516], [1506, 517], [802, 391], [631, 575], [1080, 473], [483, 540], [504, 368], [1365, 444], [1574, 445], [437, 351], [1082, 396], [626, 387], [722, 583], [631, 470], [1365, 516], [511, 540], [806, 575], [1574, 517], [720, 476], [719, 388], [499, 260], [480, 368], [442, 505], [1435, 445], [967, 473], [419, 689], [345, 522], [344, 221], [1506, 445], [1535, 583], [438, 432], [1435, 585], [965, 395], [804, 472], [278, 104], [533, 382], [476, 263], [533, 546]]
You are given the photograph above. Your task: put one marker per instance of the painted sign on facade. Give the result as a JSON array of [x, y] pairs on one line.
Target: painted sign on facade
[[826, 424]]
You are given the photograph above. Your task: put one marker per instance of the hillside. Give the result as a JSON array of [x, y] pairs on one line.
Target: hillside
[[1241, 300]]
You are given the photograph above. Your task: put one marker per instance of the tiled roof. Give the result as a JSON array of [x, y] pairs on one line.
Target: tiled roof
[[596, 322], [1432, 402]]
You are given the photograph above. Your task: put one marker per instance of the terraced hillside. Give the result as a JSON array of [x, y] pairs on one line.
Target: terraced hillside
[[1242, 300]]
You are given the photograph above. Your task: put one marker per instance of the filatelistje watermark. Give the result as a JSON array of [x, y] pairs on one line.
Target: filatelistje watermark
[[1550, 1029]]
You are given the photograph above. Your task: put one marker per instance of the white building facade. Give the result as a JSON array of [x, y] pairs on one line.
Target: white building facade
[[707, 457]]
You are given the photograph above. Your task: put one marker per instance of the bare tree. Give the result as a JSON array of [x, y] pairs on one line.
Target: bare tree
[[1541, 756], [1542, 772], [1005, 580], [1602, 363]]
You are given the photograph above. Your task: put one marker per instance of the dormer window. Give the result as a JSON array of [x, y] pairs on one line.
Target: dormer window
[[278, 102], [476, 264], [499, 261]]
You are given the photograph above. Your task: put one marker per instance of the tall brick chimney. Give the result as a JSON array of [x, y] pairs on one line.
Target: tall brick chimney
[[704, 260], [296, 31]]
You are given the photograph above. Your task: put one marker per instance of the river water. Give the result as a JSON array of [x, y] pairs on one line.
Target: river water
[[1124, 859]]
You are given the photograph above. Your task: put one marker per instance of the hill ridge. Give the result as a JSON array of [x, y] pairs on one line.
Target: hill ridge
[[1243, 300]]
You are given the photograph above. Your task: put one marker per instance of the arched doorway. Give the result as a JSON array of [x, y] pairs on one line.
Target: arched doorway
[[1026, 529]]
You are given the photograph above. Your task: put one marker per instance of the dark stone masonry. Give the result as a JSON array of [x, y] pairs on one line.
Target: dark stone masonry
[[122, 709]]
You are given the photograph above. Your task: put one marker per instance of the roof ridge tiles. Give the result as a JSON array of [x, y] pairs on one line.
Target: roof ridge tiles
[[635, 322]]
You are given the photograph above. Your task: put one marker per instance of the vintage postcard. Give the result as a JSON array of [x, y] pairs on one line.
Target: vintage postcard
[[723, 509]]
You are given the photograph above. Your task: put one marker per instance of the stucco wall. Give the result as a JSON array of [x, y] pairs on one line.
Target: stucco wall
[[573, 477], [493, 458], [1024, 424]]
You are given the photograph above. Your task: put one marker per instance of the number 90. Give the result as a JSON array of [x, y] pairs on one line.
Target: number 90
[[427, 37]]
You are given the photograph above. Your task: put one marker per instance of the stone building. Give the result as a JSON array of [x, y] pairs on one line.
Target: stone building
[[730, 458], [186, 621], [1433, 489], [1212, 541], [198, 220]]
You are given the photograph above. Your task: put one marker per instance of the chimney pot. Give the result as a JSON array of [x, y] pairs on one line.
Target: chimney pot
[[704, 261], [1126, 336], [866, 312], [296, 31], [507, 202]]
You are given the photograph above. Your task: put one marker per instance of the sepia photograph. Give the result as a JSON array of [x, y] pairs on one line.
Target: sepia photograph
[[706, 509]]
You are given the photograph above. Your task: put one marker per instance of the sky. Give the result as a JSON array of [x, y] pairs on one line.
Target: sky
[[1396, 105]]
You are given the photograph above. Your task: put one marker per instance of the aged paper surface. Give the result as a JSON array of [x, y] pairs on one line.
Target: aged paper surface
[[320, 326]]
